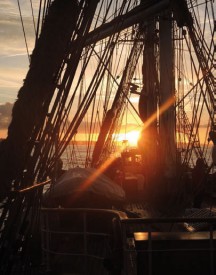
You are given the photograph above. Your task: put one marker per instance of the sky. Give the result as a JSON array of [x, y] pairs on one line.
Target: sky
[[13, 55]]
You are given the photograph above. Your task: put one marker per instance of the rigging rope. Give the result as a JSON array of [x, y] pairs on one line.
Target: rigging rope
[[58, 107], [33, 17], [21, 19], [96, 85], [46, 154]]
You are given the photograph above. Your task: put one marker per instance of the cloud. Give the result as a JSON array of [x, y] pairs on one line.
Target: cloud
[[13, 55], [5, 115], [12, 39], [12, 77]]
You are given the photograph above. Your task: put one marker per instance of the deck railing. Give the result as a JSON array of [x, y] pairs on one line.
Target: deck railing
[[80, 240], [97, 241], [159, 246]]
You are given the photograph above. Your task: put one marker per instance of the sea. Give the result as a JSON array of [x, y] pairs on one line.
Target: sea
[[75, 156]]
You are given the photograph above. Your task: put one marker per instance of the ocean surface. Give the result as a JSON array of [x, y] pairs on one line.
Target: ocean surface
[[76, 156]]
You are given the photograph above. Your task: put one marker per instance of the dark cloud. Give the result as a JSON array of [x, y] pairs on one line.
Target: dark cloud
[[5, 115]]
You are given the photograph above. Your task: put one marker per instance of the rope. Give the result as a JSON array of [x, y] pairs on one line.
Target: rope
[[33, 17], [23, 30], [58, 111], [38, 22]]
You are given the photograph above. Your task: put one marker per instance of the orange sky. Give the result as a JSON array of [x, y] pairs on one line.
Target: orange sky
[[3, 133]]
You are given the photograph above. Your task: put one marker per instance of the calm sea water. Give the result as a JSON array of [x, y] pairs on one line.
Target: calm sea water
[[76, 156]]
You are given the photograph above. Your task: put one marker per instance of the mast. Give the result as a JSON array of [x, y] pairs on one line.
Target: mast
[[65, 22], [148, 103], [167, 119], [156, 105], [31, 107]]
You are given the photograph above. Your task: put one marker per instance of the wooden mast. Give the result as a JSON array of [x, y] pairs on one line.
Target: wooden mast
[[167, 126], [148, 104], [31, 108], [158, 143], [157, 109]]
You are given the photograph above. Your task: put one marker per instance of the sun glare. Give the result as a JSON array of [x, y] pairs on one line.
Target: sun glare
[[131, 137]]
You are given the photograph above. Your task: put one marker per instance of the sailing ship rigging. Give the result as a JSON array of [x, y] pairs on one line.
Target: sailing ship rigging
[[92, 60]]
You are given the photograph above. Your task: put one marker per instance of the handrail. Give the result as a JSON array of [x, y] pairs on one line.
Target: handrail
[[169, 219], [145, 241], [50, 233], [121, 215], [30, 188]]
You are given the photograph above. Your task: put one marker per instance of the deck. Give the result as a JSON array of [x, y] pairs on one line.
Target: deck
[[95, 241]]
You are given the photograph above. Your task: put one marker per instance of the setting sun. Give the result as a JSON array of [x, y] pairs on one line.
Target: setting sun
[[131, 137]]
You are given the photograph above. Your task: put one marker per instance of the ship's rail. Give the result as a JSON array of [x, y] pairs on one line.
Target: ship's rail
[[163, 246], [100, 241], [86, 241]]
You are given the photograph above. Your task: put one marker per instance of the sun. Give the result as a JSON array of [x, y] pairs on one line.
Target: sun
[[130, 137]]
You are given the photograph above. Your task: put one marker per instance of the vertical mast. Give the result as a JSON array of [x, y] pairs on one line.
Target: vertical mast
[[167, 125], [148, 104]]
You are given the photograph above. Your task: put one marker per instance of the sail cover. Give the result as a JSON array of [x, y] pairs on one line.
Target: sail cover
[[79, 181]]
